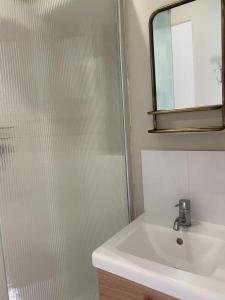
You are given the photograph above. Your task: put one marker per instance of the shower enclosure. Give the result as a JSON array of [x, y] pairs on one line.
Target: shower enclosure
[[63, 163]]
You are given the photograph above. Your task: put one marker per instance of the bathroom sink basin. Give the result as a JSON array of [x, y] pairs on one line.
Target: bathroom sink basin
[[188, 264], [187, 251]]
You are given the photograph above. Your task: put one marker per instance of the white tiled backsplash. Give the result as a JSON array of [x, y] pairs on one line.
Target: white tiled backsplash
[[196, 175]]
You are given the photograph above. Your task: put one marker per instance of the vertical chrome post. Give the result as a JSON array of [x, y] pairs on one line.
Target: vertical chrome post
[[126, 116]]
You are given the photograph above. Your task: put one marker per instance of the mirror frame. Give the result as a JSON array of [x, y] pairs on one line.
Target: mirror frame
[[155, 112]]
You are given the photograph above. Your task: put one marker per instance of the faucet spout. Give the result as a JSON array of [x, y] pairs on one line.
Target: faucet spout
[[184, 218], [176, 225]]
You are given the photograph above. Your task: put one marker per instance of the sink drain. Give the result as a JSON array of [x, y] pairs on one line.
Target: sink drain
[[180, 242]]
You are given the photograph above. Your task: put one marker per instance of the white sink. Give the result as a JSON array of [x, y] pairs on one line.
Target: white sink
[[199, 254], [188, 265]]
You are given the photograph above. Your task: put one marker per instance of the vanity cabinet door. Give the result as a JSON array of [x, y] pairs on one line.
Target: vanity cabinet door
[[112, 287]]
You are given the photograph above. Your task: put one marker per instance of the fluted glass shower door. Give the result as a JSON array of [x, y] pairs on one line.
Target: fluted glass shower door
[[63, 188]]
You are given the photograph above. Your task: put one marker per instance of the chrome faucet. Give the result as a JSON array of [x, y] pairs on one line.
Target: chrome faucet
[[184, 219]]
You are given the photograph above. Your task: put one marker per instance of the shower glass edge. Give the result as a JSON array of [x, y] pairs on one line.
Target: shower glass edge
[[41, 263]]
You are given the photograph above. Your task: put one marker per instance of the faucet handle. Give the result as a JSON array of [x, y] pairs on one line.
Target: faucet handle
[[184, 203]]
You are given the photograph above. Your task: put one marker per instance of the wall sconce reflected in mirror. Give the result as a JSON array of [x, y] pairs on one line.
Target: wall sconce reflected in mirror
[[217, 67]]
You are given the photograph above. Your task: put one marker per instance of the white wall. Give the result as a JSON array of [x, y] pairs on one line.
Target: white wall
[[196, 175], [205, 16], [137, 39], [183, 65]]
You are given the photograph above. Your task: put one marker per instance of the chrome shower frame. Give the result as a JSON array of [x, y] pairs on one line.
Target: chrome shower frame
[[125, 105]]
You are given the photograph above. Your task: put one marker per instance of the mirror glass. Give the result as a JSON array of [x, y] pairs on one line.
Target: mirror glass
[[188, 55]]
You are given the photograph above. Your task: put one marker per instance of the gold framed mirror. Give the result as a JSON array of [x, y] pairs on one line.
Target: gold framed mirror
[[187, 61]]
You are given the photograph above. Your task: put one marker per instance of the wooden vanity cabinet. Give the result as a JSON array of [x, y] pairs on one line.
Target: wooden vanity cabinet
[[112, 287]]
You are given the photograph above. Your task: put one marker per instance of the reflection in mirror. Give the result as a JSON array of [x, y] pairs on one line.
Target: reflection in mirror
[[188, 55]]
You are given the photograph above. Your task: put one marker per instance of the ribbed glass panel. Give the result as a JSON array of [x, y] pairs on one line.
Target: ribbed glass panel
[[62, 161], [164, 61]]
